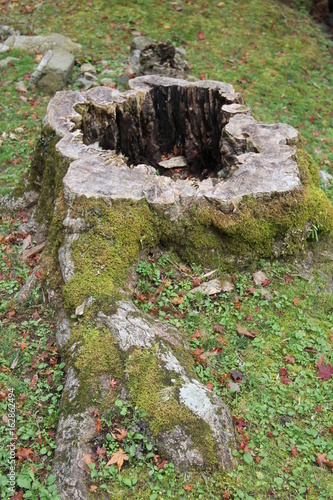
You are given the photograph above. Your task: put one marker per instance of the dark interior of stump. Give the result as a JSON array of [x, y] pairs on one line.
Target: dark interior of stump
[[167, 122]]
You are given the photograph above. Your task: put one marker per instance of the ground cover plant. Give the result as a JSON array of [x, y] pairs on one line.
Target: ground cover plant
[[273, 362], [31, 374]]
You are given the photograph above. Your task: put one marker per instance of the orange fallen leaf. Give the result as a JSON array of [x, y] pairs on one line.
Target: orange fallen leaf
[[294, 451], [122, 433], [321, 457], [242, 331], [93, 488], [98, 425], [118, 458], [296, 301], [176, 301], [188, 487]]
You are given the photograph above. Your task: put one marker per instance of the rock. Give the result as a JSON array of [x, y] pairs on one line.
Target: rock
[[90, 76], [9, 60], [87, 67], [4, 48], [326, 179], [6, 31], [210, 287], [20, 87], [162, 58], [54, 71], [226, 284], [259, 277], [86, 83], [41, 44], [108, 82]]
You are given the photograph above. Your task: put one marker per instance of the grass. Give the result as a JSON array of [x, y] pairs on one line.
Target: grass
[[281, 60], [31, 374]]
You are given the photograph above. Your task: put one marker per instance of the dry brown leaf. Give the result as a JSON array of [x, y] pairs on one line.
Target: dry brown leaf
[[176, 301], [242, 331], [118, 458]]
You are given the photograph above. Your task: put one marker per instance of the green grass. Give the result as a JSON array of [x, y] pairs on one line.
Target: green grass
[[281, 60], [289, 317], [31, 375]]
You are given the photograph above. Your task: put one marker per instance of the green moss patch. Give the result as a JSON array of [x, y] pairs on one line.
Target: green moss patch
[[104, 254]]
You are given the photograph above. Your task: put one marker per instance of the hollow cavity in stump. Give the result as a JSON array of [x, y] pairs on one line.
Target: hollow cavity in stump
[[176, 129]]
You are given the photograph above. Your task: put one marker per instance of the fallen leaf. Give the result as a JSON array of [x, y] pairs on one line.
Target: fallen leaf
[[38, 274], [98, 425], [233, 386], [24, 453], [296, 301], [93, 488], [100, 451], [188, 487], [26, 243], [287, 279], [201, 36], [289, 359], [226, 493], [197, 354], [237, 304], [162, 464], [113, 383], [294, 451], [321, 457], [5, 419], [122, 433], [242, 331], [210, 386], [87, 459], [325, 372], [195, 335], [310, 349], [176, 301], [218, 328], [118, 458], [236, 374], [80, 309]]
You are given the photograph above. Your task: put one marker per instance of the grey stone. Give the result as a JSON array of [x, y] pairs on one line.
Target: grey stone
[[20, 87], [6, 31], [54, 71], [160, 58], [326, 179], [108, 82], [42, 43], [211, 287], [87, 67]]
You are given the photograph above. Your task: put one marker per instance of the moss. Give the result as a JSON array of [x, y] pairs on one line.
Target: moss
[[92, 353], [152, 390], [96, 351], [46, 173], [104, 254]]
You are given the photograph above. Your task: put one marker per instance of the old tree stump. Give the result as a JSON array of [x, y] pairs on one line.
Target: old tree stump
[[168, 163]]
